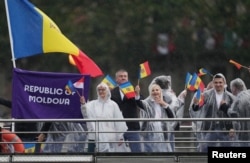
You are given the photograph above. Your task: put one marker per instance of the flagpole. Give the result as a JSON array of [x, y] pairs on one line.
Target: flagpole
[[12, 51], [78, 93], [245, 67], [10, 36]]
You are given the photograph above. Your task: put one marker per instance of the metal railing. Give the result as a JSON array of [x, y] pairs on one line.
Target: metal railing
[[185, 140]]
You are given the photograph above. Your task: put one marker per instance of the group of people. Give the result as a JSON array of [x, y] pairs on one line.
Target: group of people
[[141, 136], [105, 134], [156, 135], [220, 103]]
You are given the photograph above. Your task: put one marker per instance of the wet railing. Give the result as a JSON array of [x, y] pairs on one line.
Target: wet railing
[[185, 142]]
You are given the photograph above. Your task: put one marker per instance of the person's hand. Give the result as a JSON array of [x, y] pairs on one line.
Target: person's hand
[[196, 101], [183, 94], [41, 137], [231, 133], [120, 142], [82, 100], [137, 90], [160, 101], [223, 102]]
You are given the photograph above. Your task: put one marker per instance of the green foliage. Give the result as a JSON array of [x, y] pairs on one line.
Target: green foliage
[[121, 34]]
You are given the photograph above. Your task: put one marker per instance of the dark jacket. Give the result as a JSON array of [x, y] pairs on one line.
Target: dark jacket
[[128, 107]]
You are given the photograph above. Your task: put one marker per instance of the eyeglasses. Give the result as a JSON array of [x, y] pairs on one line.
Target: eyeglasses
[[101, 90]]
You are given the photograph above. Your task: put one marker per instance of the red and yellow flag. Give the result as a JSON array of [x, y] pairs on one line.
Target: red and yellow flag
[[236, 64]]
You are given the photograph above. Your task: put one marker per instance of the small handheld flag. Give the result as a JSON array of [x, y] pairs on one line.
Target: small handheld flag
[[128, 89], [237, 64], [144, 70], [79, 84], [70, 88], [109, 81], [187, 80], [195, 83], [203, 71], [200, 96]]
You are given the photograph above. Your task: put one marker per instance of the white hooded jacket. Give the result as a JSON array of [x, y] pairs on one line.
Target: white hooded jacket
[[104, 109]]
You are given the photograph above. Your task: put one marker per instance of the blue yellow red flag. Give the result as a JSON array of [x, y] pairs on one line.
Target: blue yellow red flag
[[202, 71], [70, 87], [109, 81], [144, 70], [200, 96], [32, 32], [195, 83], [187, 80], [128, 89], [85, 65]]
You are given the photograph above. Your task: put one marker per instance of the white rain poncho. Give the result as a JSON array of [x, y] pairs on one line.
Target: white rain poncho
[[154, 130], [98, 131], [212, 108], [71, 137], [196, 125], [241, 109], [175, 104]]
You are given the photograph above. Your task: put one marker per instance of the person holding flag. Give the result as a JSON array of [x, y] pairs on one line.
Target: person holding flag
[[216, 103], [196, 125], [129, 110], [144, 70], [155, 107], [108, 131], [176, 104]]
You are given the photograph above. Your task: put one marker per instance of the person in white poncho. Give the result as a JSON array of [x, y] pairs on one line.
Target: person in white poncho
[[240, 109], [103, 131]]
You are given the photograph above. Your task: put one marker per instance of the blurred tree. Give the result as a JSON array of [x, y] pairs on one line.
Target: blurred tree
[[122, 34]]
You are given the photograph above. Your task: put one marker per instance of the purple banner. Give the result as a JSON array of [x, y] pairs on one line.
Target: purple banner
[[42, 95]]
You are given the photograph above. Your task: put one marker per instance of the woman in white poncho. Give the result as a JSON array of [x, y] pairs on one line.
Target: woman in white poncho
[[103, 108]]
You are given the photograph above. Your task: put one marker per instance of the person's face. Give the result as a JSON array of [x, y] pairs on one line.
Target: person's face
[[102, 91], [121, 77], [156, 92], [219, 84], [233, 90]]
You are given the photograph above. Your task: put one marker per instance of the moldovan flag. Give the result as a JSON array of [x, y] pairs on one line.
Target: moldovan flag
[[32, 32], [70, 88], [202, 72], [144, 70], [85, 65], [187, 80], [196, 83], [200, 96], [109, 81], [128, 90]]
